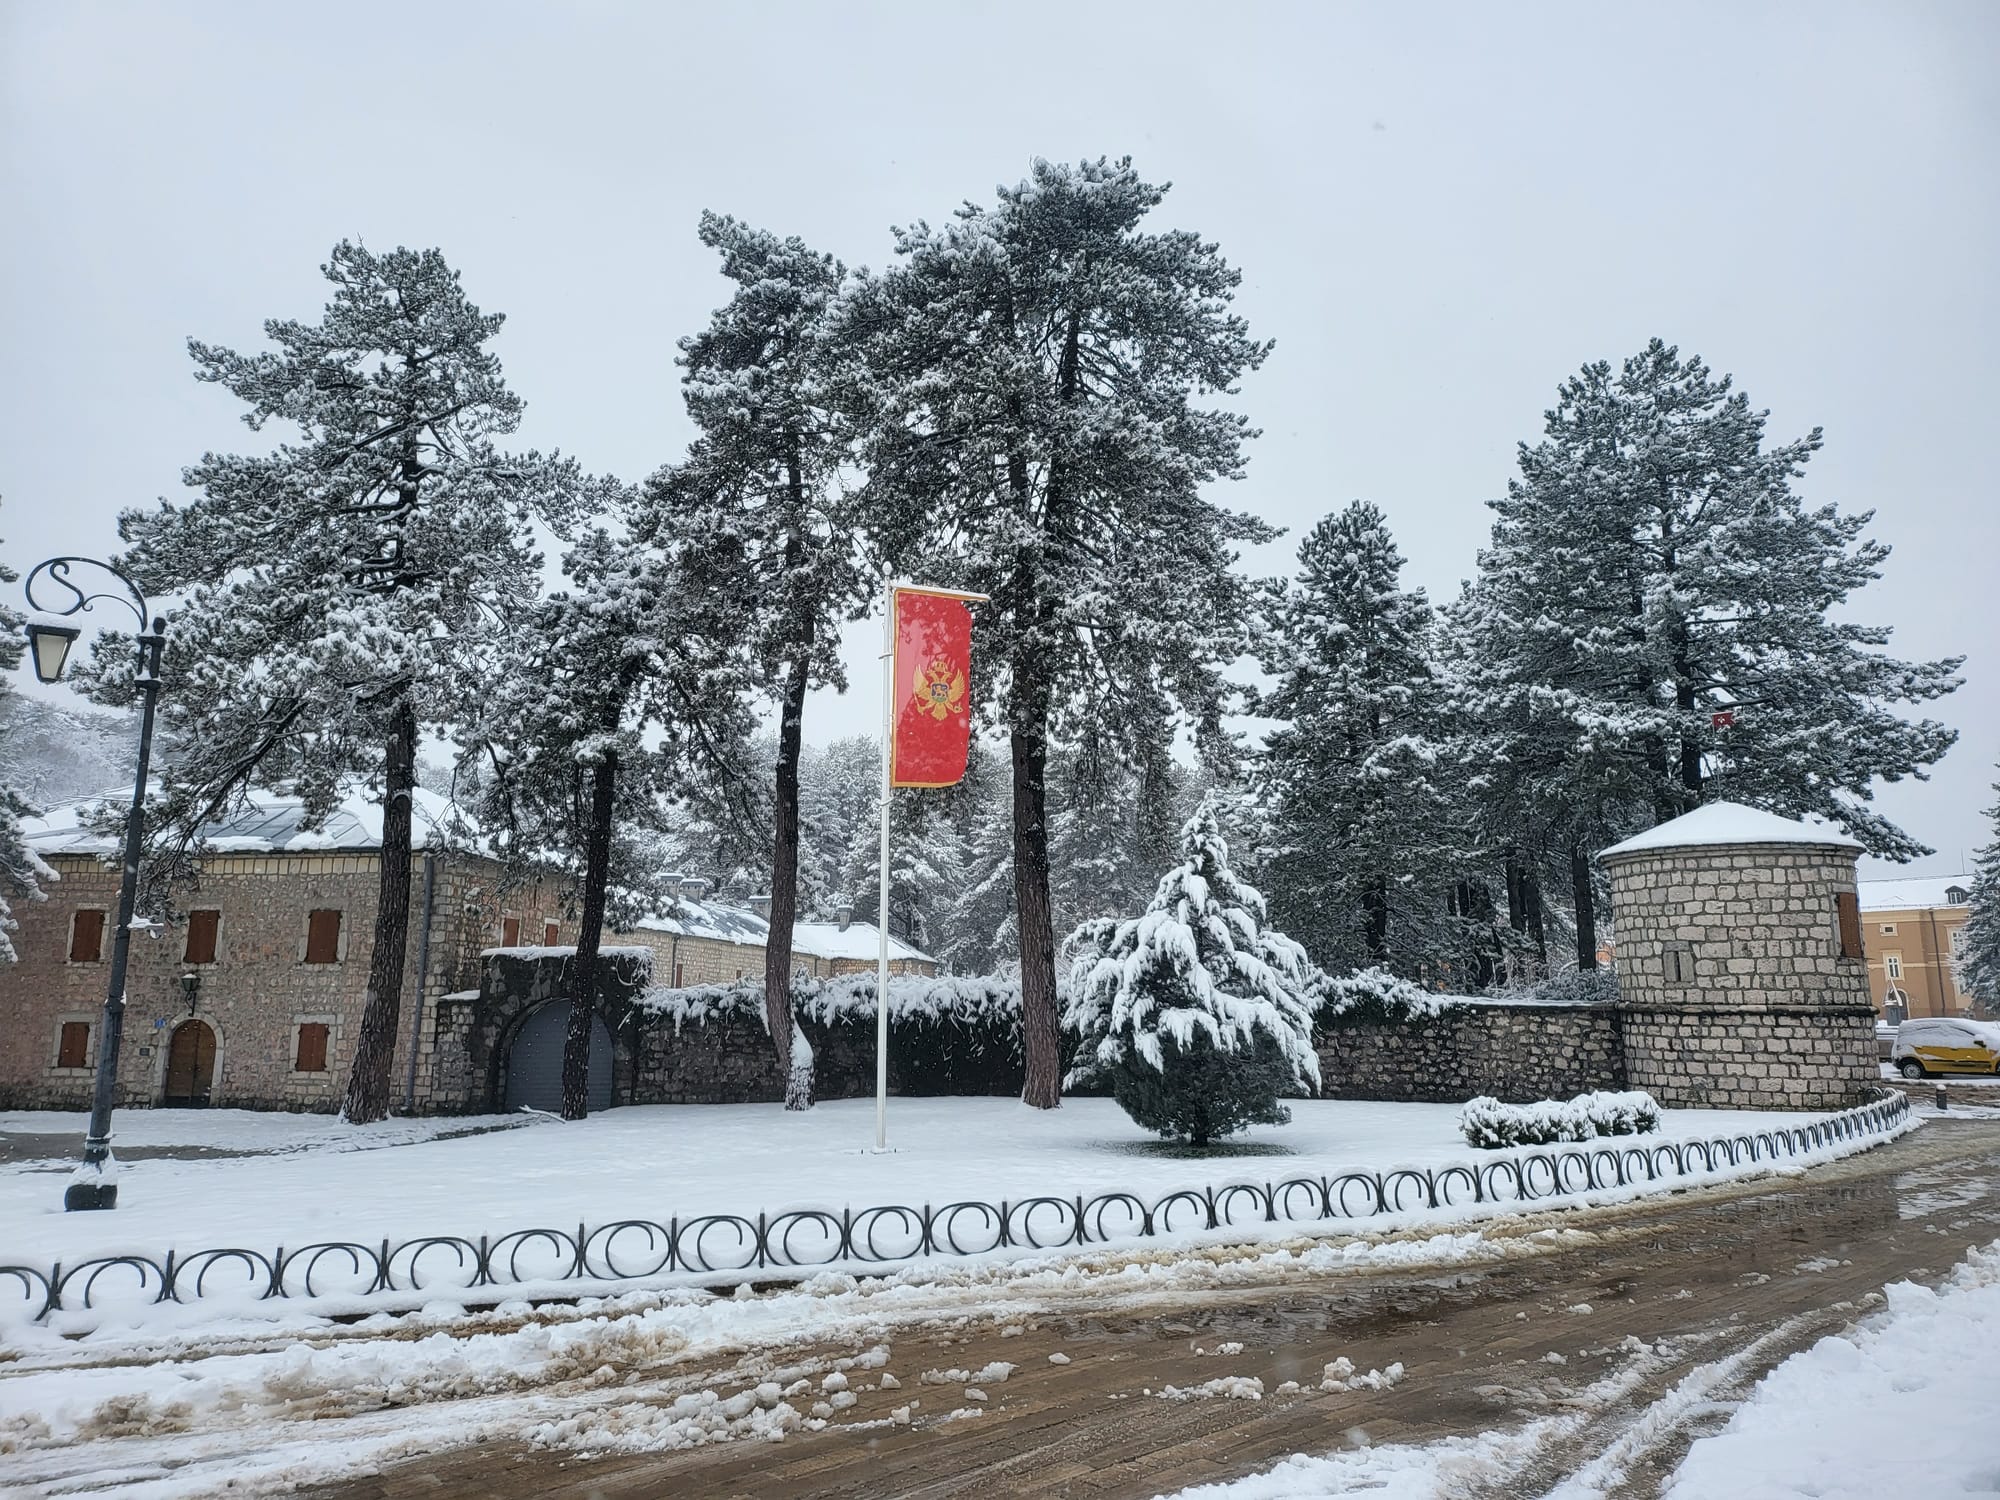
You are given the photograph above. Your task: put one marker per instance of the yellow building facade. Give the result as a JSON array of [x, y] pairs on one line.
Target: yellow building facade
[[1913, 932]]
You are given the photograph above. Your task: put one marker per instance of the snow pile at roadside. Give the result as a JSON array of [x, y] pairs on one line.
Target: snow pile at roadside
[[1901, 1404]]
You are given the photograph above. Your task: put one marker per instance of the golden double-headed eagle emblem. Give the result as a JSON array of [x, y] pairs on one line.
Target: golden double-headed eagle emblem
[[939, 689]]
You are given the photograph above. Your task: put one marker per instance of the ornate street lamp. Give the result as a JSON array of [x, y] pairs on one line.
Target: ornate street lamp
[[95, 1182]]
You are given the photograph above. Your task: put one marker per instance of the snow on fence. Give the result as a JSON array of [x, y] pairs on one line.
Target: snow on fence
[[340, 1277]]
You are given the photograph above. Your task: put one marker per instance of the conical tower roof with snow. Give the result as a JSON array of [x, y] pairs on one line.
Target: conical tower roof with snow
[[1729, 823]]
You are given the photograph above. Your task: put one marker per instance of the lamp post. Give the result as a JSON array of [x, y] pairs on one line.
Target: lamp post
[[95, 1182]]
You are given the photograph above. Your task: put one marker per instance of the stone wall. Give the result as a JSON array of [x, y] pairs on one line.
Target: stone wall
[[1516, 1053], [1763, 1057]]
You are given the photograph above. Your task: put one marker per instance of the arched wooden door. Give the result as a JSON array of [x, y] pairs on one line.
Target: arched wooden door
[[190, 1065]]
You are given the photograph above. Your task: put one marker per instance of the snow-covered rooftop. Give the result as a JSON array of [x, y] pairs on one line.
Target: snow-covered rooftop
[[703, 919], [1914, 892], [1730, 823], [856, 940], [267, 823], [732, 924]]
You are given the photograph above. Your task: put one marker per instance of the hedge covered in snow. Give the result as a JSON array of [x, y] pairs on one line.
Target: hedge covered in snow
[[1373, 995], [948, 1035], [1491, 1125]]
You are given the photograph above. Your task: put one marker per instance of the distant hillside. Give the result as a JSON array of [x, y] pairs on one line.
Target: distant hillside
[[50, 753]]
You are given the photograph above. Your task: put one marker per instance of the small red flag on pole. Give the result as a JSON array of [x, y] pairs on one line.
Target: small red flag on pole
[[1722, 719], [926, 739], [930, 688]]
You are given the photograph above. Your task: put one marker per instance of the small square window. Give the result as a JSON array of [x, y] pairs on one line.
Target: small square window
[[86, 936], [311, 1054], [323, 936], [73, 1045], [202, 929], [551, 934], [1678, 962], [1888, 929]]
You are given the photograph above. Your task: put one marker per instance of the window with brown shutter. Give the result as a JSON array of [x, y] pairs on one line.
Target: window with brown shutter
[[202, 928], [311, 1056], [323, 936], [550, 933], [1847, 907], [680, 970], [510, 932], [73, 1050], [86, 936]]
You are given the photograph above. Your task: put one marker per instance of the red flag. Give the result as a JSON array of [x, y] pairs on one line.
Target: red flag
[[1726, 719], [930, 685]]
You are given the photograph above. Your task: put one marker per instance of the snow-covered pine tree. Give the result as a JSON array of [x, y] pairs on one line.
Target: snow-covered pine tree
[[22, 871], [760, 501], [1195, 1011], [339, 589], [1363, 847], [1980, 975], [980, 933], [1042, 421], [611, 696], [1652, 620]]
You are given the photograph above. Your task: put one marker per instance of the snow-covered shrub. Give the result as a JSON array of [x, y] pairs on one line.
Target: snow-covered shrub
[[1194, 1011], [1577, 987], [1490, 1125], [1372, 995]]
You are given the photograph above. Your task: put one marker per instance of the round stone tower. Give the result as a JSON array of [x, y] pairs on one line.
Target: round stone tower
[[1740, 973]]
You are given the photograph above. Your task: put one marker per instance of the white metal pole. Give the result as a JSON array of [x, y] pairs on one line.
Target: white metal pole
[[882, 915]]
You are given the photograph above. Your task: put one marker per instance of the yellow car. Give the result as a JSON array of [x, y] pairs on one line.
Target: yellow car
[[1924, 1047]]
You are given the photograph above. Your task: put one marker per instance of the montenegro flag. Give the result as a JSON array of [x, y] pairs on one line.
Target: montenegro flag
[[930, 687]]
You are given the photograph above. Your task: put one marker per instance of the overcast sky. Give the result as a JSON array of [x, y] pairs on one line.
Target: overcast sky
[[1440, 212]]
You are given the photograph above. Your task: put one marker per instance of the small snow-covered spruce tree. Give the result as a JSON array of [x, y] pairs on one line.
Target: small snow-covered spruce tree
[[339, 591], [1980, 977], [760, 502], [1043, 413], [22, 871], [1195, 1011]]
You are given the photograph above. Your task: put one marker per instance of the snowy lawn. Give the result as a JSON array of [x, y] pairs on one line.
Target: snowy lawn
[[1903, 1404], [658, 1162], [250, 1131]]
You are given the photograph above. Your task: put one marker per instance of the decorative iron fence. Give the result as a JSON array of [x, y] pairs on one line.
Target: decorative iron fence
[[631, 1251]]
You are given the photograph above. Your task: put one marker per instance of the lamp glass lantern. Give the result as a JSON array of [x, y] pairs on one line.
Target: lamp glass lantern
[[49, 645]]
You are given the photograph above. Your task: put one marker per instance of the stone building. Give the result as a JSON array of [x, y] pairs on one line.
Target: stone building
[[1914, 929], [1741, 973], [707, 942], [251, 992]]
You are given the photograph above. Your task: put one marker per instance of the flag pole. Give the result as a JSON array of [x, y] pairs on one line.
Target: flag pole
[[882, 915]]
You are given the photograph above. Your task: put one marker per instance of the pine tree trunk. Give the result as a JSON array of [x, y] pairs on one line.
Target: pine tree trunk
[[1029, 743], [1375, 920], [367, 1097], [785, 884], [589, 937], [1584, 894]]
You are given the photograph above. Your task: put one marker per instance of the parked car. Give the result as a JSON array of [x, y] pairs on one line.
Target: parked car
[[1936, 1045]]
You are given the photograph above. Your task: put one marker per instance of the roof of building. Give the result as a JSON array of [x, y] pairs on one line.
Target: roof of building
[[732, 924], [1912, 892], [1730, 823], [266, 822]]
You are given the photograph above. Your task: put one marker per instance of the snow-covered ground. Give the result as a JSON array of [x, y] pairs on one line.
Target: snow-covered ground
[[1900, 1404], [249, 1131], [1908, 1393], [659, 1162]]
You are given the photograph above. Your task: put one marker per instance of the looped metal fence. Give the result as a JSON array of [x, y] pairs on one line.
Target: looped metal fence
[[634, 1251]]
